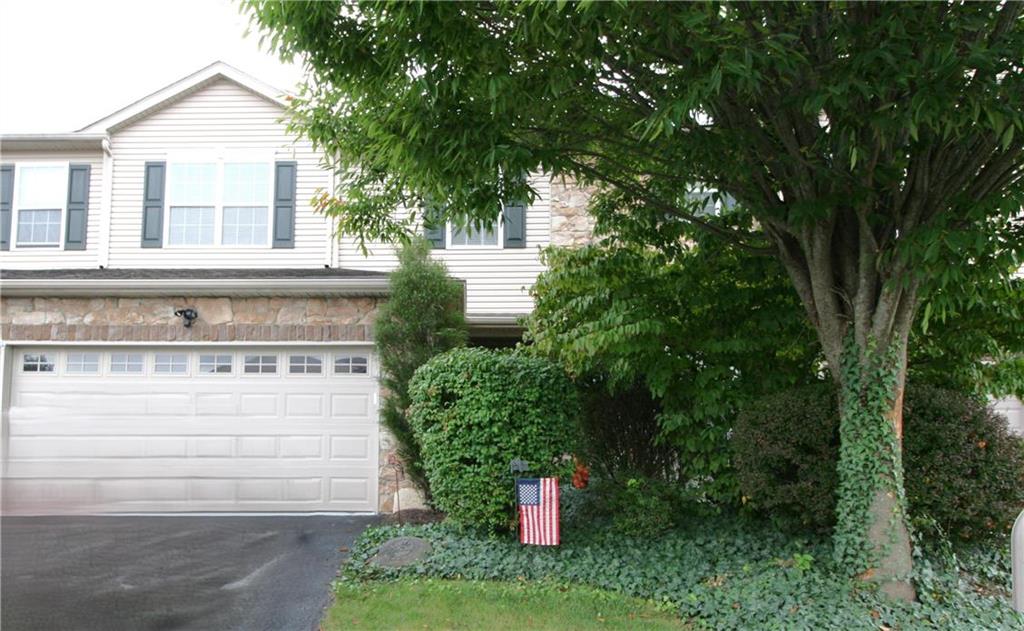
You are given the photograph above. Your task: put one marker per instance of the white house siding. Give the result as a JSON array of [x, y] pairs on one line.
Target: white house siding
[[58, 257], [497, 280], [1013, 409], [219, 116]]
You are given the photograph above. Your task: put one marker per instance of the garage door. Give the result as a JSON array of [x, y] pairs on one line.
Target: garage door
[[191, 429]]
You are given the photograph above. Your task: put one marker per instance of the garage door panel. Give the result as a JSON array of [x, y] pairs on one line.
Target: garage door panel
[[191, 442]]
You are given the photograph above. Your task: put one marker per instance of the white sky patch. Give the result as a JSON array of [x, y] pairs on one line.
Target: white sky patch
[[65, 64]]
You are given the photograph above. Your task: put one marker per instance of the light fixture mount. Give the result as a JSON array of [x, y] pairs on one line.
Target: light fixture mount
[[187, 314]]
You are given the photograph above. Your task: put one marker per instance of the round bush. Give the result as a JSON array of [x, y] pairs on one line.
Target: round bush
[[473, 410], [963, 469]]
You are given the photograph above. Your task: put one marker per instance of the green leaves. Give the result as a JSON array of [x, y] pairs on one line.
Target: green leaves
[[473, 411]]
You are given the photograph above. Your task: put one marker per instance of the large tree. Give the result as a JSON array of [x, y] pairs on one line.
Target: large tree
[[878, 147]]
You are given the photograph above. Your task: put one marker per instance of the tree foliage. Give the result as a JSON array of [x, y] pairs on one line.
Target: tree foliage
[[421, 318], [880, 146]]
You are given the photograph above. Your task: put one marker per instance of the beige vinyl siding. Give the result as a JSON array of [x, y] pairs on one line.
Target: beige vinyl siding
[[219, 116], [58, 257], [497, 280]]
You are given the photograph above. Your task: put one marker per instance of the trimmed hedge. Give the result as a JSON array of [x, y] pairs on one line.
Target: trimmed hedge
[[964, 470], [473, 410]]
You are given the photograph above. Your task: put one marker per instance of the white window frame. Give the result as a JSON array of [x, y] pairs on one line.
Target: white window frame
[[128, 352], [499, 225], [261, 373], [215, 355], [305, 365], [99, 364], [219, 158], [51, 358], [172, 363], [16, 207], [350, 356]]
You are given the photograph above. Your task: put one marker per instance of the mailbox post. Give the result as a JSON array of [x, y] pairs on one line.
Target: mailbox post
[[1017, 561]]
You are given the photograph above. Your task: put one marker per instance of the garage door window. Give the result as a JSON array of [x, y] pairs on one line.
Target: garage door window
[[170, 364], [37, 362], [260, 364], [215, 364], [83, 363], [351, 365], [126, 363], [305, 365]]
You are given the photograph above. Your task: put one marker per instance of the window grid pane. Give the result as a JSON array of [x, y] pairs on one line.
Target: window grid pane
[[246, 184], [215, 364], [192, 184], [350, 365], [472, 236], [41, 227], [170, 363], [126, 363], [37, 362], [245, 225], [260, 364], [83, 363], [305, 364], [42, 186], [190, 225]]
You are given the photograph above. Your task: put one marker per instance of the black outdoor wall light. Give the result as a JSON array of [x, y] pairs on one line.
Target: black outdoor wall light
[[188, 314]]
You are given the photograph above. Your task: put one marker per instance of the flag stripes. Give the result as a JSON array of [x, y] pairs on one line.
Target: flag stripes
[[538, 511]]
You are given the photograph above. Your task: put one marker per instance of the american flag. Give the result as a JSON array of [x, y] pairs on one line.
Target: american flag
[[538, 510]]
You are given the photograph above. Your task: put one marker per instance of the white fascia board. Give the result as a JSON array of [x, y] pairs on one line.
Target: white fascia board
[[156, 100], [65, 287]]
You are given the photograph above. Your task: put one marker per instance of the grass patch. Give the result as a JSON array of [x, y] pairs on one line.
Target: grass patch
[[442, 604]]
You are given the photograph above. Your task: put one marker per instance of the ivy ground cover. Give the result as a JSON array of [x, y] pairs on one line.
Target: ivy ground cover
[[715, 573]]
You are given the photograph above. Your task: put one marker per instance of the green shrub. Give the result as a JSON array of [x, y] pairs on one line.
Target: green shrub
[[622, 435], [785, 450], [964, 470], [641, 507], [473, 410], [421, 318]]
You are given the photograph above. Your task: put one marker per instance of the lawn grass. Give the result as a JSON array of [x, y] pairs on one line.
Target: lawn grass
[[442, 604]]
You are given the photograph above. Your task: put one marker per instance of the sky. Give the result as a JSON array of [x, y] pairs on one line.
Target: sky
[[65, 64]]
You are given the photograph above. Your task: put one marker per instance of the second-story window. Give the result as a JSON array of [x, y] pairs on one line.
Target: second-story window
[[192, 197], [475, 236], [219, 202], [246, 203], [41, 196]]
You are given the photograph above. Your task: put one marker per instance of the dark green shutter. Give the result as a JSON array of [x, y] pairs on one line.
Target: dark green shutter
[[284, 204], [514, 216], [6, 204], [153, 205], [78, 207]]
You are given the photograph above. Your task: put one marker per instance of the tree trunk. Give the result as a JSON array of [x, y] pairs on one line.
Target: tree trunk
[[871, 537]]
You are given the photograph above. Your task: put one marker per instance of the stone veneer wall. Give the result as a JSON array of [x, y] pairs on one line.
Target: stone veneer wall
[[152, 319], [226, 319], [571, 224]]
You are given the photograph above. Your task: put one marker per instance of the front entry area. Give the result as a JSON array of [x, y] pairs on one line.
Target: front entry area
[[176, 428]]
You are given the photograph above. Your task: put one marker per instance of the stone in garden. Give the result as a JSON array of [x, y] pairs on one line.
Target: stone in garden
[[401, 551]]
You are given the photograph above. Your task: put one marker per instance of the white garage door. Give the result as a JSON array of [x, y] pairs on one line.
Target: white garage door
[[191, 429]]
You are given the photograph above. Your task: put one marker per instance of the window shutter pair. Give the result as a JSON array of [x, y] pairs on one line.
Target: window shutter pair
[[154, 193], [77, 209], [513, 216]]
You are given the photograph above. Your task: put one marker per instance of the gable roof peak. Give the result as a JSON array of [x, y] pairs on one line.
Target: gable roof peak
[[182, 87]]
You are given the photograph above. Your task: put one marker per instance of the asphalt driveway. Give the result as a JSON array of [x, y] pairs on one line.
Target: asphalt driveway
[[163, 573]]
